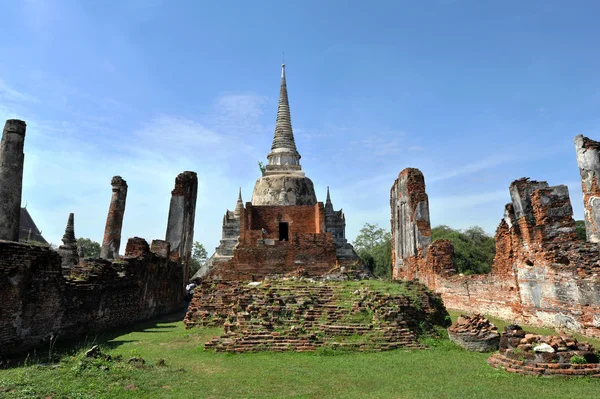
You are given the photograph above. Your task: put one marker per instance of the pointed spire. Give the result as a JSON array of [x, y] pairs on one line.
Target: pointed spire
[[284, 136], [239, 206], [328, 204], [69, 236], [283, 150]]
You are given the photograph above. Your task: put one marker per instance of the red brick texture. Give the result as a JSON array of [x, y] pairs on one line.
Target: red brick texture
[[37, 301], [301, 316], [542, 274], [257, 255]]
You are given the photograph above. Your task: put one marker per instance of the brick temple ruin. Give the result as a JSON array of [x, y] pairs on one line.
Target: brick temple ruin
[[283, 227], [47, 294], [542, 273]]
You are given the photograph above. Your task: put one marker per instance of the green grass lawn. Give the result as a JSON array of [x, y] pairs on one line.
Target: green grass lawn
[[444, 371]]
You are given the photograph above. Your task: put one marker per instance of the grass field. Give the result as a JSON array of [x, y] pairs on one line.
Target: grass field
[[443, 371]]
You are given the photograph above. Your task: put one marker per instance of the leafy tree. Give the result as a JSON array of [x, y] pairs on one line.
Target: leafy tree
[[91, 249], [580, 229], [474, 250], [373, 245], [199, 256]]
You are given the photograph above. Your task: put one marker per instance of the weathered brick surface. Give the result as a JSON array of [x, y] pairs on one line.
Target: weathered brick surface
[[37, 301], [258, 255], [518, 355], [114, 221], [180, 225], [301, 316], [588, 160], [542, 274]]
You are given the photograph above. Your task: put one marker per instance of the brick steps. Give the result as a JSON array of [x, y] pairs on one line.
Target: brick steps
[[301, 317]]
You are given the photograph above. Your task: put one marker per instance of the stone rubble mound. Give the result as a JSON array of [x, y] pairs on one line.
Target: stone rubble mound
[[475, 333], [303, 316], [534, 354]]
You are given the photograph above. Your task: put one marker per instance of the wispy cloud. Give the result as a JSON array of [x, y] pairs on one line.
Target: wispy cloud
[[8, 94]]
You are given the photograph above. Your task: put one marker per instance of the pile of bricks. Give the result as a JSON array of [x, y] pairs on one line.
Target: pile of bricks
[[475, 333], [532, 354], [302, 316]]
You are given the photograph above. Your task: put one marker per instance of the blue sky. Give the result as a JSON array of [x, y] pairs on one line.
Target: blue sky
[[475, 94]]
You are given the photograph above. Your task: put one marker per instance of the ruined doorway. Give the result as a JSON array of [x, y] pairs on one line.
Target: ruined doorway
[[284, 231]]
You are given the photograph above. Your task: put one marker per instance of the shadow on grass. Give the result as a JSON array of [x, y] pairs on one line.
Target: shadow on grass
[[45, 353]]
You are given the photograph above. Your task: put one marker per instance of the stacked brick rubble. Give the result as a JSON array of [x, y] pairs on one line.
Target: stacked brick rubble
[[542, 274], [475, 333], [533, 354], [303, 316], [37, 301]]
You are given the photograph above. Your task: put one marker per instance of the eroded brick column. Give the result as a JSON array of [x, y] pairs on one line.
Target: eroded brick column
[[11, 178], [411, 228], [588, 160], [182, 213], [68, 251], [114, 220]]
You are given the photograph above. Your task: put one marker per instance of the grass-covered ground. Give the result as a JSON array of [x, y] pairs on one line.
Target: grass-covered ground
[[444, 371]]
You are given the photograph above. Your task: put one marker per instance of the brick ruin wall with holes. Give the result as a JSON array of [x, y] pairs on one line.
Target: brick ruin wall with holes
[[37, 301], [542, 273], [298, 315], [308, 247]]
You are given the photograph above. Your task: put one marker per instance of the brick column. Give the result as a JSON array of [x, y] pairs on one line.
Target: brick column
[[11, 178], [411, 228], [182, 213], [114, 221], [588, 160]]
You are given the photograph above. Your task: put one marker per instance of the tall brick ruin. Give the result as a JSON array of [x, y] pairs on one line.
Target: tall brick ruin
[[11, 178], [541, 275], [411, 229], [114, 220], [180, 225], [588, 160]]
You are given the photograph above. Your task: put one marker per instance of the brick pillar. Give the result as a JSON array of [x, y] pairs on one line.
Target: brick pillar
[[588, 160], [180, 226], [411, 228], [68, 251], [114, 220], [11, 178]]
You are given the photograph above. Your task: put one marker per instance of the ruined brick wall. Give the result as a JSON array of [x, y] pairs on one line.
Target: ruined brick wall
[[37, 301], [300, 218], [542, 274], [588, 160], [254, 258], [257, 255], [411, 229]]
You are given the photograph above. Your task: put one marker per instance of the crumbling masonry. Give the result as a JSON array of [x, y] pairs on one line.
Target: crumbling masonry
[[45, 294], [182, 213], [541, 275], [11, 178], [114, 220]]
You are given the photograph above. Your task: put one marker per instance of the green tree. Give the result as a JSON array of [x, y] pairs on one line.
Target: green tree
[[474, 250], [198, 258], [373, 245], [91, 249], [580, 229]]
